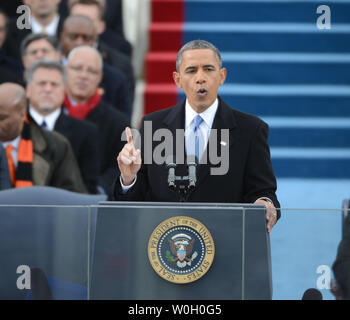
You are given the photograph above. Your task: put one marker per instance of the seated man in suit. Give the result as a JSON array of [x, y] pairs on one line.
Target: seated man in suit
[[35, 156], [44, 19], [117, 59], [45, 92], [113, 34], [5, 182], [36, 46], [78, 31], [246, 173], [83, 101]]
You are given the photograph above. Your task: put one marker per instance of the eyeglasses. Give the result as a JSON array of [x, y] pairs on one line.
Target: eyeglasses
[[80, 69]]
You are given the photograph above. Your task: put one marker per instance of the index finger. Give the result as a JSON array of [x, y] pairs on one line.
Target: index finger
[[129, 137]]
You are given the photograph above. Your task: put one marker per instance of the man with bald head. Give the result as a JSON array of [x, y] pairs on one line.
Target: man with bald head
[[93, 9], [83, 101], [80, 30], [35, 156], [111, 13]]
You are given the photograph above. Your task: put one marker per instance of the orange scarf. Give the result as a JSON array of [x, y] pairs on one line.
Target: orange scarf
[[23, 176]]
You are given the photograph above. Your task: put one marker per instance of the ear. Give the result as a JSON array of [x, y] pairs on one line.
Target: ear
[[23, 113], [101, 27], [223, 74], [24, 62], [177, 79], [28, 91]]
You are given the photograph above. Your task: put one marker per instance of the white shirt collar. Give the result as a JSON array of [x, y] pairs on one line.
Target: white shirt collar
[[72, 101], [51, 29], [14, 152], [14, 143], [49, 119], [208, 115]]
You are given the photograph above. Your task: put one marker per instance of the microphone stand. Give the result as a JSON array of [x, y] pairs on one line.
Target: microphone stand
[[182, 185]]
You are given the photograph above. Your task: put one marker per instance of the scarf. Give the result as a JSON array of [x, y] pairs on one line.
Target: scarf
[[23, 176], [82, 110]]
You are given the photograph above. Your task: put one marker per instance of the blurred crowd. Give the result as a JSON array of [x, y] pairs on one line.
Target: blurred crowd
[[66, 94]]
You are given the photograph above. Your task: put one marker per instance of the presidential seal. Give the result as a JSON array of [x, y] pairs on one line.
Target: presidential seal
[[181, 249]]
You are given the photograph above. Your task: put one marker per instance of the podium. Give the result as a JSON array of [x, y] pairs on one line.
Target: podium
[[53, 239], [122, 266]]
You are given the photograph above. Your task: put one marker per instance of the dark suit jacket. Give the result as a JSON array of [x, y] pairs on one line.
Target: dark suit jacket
[[117, 41], [10, 7], [111, 124], [82, 136], [250, 174], [15, 36], [114, 16], [341, 266], [113, 35], [10, 70], [115, 85], [119, 61], [54, 162], [5, 182]]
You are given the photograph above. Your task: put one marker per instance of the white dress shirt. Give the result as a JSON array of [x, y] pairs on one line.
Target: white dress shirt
[[208, 118], [49, 119], [50, 29]]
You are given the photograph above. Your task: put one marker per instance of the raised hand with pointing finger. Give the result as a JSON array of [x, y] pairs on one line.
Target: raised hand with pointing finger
[[129, 160]]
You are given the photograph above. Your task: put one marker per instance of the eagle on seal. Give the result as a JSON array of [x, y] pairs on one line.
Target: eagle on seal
[[181, 249]]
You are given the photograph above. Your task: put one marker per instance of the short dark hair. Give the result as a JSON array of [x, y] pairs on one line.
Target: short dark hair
[[38, 36], [101, 8], [44, 64], [198, 44]]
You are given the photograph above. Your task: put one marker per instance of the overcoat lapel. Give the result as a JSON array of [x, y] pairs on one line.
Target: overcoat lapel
[[224, 119]]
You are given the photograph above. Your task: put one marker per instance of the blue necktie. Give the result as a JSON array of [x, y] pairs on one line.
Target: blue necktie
[[43, 124], [195, 139]]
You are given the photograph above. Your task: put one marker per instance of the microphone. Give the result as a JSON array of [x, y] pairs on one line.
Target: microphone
[[192, 179], [39, 285], [171, 175], [312, 294]]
